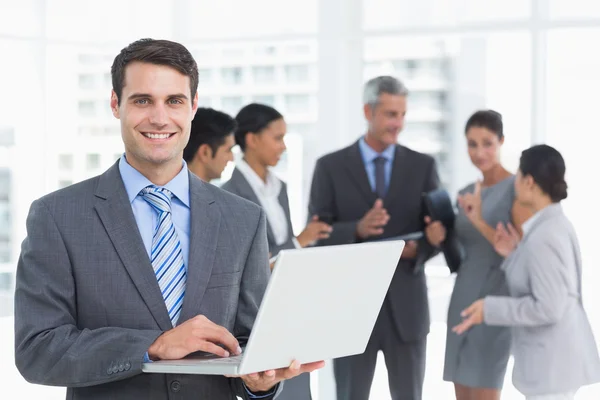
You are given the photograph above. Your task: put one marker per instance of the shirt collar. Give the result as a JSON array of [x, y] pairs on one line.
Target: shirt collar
[[369, 154], [134, 182], [527, 225], [271, 187]]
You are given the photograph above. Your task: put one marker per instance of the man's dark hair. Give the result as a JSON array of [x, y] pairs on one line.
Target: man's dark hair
[[158, 52], [209, 127]]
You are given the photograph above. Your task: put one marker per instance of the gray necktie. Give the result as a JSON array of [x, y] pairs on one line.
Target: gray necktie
[[380, 188]]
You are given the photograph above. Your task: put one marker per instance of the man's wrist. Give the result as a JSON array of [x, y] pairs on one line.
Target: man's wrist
[[260, 394]]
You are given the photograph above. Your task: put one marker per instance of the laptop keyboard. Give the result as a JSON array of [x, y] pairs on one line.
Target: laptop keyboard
[[228, 360]]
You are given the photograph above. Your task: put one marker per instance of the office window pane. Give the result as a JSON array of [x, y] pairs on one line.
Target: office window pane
[[63, 183], [5, 226], [87, 109], [204, 101], [264, 99], [65, 162], [204, 76], [231, 76], [86, 81], [93, 161], [297, 73], [263, 74], [574, 9], [450, 77], [297, 103], [231, 104], [238, 19], [379, 14], [7, 136]]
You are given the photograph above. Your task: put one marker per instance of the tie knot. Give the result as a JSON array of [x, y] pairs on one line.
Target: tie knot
[[380, 160], [159, 198]]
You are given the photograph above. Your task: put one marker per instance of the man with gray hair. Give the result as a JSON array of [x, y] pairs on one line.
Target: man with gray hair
[[372, 190]]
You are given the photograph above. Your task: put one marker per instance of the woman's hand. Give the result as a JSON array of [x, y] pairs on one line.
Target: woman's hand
[[471, 204], [506, 240]]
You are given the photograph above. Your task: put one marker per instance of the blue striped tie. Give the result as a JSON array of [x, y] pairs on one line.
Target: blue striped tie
[[166, 254]]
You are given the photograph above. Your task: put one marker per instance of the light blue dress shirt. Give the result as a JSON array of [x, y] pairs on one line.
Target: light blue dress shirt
[[147, 218], [369, 155]]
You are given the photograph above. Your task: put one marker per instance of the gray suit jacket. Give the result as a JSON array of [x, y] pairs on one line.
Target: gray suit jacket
[[553, 344], [87, 302], [341, 190], [239, 185]]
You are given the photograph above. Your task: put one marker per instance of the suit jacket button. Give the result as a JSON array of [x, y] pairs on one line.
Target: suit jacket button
[[109, 371], [121, 367], [127, 366], [115, 369], [175, 386]]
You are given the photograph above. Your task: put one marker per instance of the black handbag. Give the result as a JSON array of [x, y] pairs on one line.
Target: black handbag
[[438, 207]]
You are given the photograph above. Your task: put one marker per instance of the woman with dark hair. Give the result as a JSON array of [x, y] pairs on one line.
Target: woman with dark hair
[[260, 135], [476, 362], [553, 346]]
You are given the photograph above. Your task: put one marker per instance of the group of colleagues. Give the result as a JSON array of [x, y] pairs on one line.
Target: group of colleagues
[[90, 298]]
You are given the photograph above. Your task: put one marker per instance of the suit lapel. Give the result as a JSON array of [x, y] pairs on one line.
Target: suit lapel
[[204, 232], [245, 191], [358, 174], [285, 204], [114, 209], [400, 177]]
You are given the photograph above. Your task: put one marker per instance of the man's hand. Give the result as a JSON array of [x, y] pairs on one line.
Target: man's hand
[[410, 250], [435, 232], [196, 334], [373, 221], [265, 381]]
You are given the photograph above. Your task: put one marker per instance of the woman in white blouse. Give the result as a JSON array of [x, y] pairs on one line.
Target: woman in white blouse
[[260, 135]]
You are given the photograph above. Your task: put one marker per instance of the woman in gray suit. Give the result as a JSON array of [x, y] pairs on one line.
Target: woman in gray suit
[[260, 135], [476, 362], [553, 346]]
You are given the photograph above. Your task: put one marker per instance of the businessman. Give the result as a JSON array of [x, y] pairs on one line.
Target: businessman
[[144, 262], [372, 190], [211, 140]]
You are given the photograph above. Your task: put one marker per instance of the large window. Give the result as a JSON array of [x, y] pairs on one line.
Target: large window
[[451, 76], [534, 61]]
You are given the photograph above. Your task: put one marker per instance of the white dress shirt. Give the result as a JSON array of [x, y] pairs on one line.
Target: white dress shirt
[[268, 195]]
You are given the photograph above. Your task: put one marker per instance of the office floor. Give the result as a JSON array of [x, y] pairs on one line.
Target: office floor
[[440, 286]]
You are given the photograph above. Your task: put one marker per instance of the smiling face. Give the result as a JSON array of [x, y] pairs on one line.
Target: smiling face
[[156, 111], [386, 119], [484, 147]]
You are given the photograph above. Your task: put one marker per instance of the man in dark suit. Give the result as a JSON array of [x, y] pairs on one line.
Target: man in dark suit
[[144, 262], [372, 190]]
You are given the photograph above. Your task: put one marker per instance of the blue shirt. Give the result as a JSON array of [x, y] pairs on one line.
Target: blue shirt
[[369, 155], [147, 218]]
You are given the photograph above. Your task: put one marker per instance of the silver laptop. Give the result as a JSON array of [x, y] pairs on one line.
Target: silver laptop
[[321, 303]]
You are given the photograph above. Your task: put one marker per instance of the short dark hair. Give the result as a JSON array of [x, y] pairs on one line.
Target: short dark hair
[[254, 118], [547, 168], [210, 127], [488, 119], [158, 52]]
